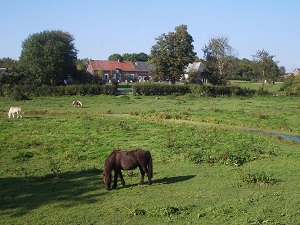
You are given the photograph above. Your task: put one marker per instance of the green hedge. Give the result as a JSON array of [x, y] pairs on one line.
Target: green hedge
[[194, 89], [33, 91], [160, 89], [206, 90]]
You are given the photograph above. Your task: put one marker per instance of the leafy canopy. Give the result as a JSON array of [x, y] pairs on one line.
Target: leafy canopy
[[133, 57], [171, 54], [48, 57], [265, 65], [218, 55]]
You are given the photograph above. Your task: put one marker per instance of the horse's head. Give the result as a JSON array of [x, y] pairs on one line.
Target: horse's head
[[107, 180]]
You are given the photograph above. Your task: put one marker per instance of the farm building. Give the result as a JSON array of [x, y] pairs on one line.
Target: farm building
[[119, 70]]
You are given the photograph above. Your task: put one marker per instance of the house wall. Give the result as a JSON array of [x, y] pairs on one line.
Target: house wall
[[90, 69]]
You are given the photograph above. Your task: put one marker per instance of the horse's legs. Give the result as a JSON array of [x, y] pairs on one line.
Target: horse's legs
[[149, 177], [122, 179], [142, 170], [115, 179]]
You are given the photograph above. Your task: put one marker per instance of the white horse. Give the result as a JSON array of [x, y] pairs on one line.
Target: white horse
[[77, 103], [15, 110]]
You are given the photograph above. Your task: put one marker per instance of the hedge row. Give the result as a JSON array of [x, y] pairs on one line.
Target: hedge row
[[160, 89], [23, 92], [33, 91], [196, 90]]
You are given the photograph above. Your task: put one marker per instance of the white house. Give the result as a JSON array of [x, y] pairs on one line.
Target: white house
[[197, 67]]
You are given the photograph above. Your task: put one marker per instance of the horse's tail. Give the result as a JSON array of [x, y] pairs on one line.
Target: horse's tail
[[150, 164]]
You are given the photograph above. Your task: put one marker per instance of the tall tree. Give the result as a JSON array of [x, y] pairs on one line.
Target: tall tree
[[48, 57], [218, 55], [267, 68], [134, 57], [115, 57], [7, 63], [171, 54]]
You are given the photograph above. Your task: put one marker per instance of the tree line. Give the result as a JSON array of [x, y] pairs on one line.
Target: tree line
[[50, 58]]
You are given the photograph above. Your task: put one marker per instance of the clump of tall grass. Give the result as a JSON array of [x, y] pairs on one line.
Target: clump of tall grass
[[257, 177]]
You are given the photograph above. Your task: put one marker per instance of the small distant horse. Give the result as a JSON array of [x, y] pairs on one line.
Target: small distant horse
[[15, 110], [127, 160], [77, 103]]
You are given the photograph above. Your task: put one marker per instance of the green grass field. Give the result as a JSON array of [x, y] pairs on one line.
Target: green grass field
[[208, 169]]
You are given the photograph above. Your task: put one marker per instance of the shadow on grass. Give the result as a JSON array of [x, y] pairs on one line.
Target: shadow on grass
[[165, 180], [20, 195], [171, 180]]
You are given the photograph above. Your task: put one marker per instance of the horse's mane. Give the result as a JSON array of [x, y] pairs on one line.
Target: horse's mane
[[109, 163]]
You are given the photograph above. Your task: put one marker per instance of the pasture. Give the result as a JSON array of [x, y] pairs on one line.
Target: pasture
[[208, 169]]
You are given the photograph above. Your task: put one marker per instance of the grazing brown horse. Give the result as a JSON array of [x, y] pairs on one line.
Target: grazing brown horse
[[127, 160]]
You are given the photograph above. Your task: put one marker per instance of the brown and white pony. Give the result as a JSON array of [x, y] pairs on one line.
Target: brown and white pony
[[77, 103], [15, 110]]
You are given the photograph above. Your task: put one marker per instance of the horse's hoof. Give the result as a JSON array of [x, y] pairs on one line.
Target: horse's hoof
[[149, 182]]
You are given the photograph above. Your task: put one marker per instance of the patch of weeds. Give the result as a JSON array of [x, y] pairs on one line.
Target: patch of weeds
[[170, 211], [137, 212], [23, 156], [164, 115], [55, 168], [263, 116], [124, 125], [257, 177], [197, 157]]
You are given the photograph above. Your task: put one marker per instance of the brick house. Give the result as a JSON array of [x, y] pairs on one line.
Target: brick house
[[119, 70], [111, 70]]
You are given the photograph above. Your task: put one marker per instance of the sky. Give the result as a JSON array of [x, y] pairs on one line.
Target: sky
[[101, 28]]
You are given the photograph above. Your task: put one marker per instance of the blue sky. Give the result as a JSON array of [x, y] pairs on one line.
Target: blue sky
[[103, 27]]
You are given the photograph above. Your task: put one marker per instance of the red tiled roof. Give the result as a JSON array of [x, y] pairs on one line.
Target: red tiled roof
[[107, 65]]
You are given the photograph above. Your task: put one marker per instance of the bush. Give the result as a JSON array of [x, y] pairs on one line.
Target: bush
[[18, 95], [291, 86]]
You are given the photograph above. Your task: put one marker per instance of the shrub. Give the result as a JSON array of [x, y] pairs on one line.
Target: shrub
[[18, 95], [258, 177]]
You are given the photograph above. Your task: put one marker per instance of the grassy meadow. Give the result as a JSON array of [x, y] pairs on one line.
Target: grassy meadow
[[208, 167]]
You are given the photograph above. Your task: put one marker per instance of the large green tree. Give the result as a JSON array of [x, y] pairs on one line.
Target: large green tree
[[218, 55], [171, 54], [266, 67], [48, 57]]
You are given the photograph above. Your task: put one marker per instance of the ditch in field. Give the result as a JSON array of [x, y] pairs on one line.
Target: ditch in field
[[294, 138]]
